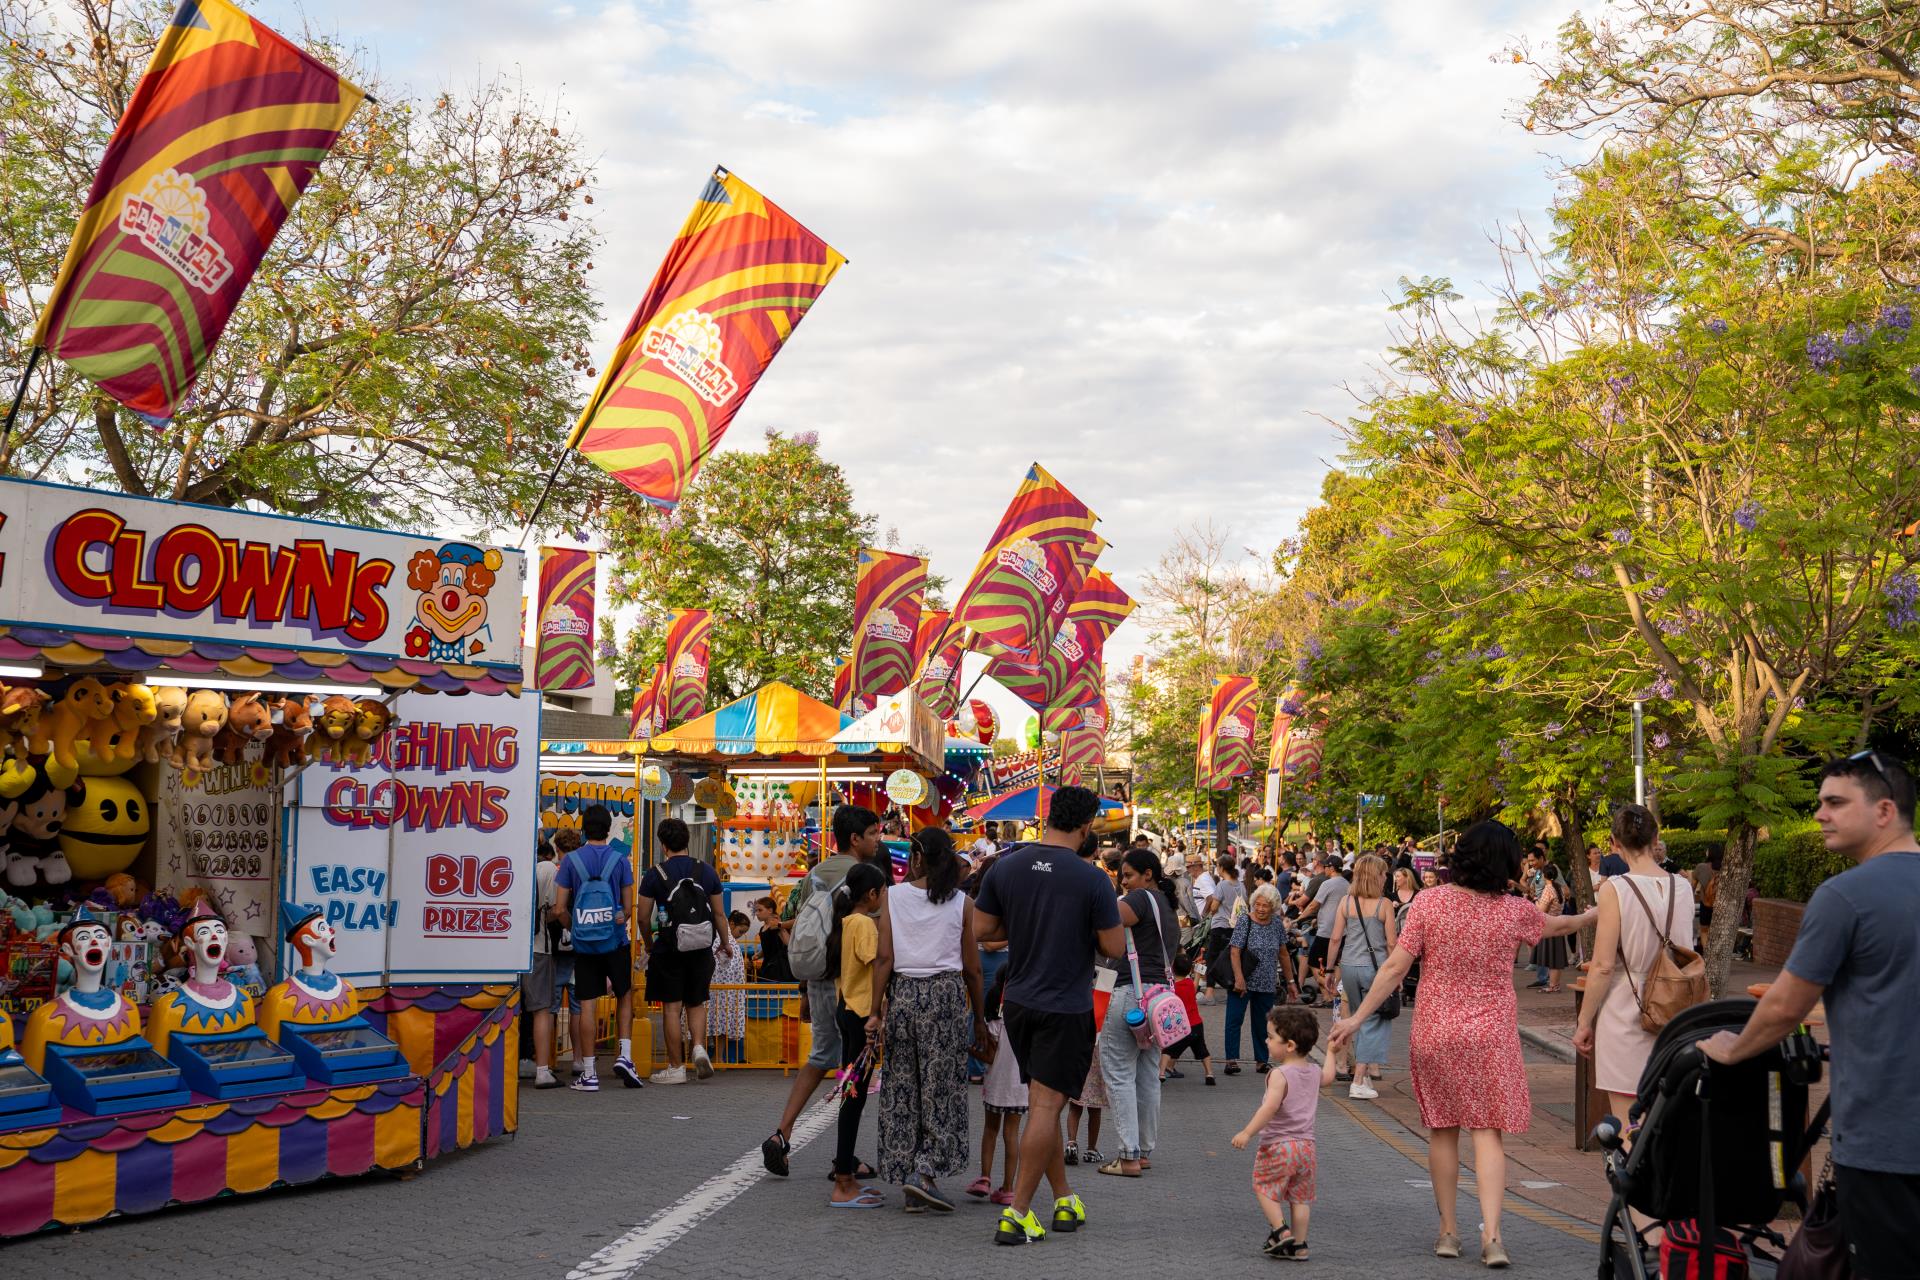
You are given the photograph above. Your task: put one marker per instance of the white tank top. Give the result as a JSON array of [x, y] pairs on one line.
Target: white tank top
[[926, 935]]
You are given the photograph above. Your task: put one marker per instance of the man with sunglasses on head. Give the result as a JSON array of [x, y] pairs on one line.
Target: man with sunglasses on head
[[1859, 949]]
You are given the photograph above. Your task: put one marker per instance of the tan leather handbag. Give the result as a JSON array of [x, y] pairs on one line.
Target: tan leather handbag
[[1678, 978]]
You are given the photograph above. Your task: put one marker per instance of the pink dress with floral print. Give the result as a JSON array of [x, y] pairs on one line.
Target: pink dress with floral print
[[1467, 1069]]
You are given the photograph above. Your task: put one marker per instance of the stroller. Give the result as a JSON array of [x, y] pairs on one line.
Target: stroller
[[1714, 1146]]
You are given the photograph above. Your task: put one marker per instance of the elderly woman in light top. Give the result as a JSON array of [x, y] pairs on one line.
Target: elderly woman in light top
[[1254, 949]]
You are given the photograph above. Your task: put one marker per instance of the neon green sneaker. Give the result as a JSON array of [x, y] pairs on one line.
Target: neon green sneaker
[[1069, 1214], [1018, 1228]]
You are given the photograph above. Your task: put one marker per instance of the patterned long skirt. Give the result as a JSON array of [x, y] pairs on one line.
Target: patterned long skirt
[[923, 1085]]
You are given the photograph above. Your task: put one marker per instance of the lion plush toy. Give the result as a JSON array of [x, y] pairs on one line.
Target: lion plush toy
[[205, 716], [134, 708], [79, 712], [330, 728], [292, 721], [371, 719], [20, 718], [161, 739], [248, 721]]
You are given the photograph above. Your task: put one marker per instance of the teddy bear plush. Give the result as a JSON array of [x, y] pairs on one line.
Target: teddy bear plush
[[161, 739], [205, 716], [248, 721], [292, 721], [327, 741], [135, 706], [371, 719]]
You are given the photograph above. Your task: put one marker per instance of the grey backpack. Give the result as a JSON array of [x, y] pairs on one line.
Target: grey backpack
[[812, 931]]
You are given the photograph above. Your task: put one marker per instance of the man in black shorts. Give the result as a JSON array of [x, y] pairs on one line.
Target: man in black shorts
[[599, 969], [680, 970], [1054, 909]]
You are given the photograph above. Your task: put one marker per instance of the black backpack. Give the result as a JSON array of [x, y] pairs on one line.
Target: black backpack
[[690, 915]]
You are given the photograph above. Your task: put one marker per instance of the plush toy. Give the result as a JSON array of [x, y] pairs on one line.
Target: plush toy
[[123, 889], [161, 739], [76, 714], [241, 964], [200, 724], [192, 896], [134, 708], [248, 721], [130, 928], [292, 722], [18, 913], [39, 815], [330, 728], [371, 719]]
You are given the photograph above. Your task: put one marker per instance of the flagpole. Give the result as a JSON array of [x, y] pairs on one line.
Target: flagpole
[[538, 507], [19, 396]]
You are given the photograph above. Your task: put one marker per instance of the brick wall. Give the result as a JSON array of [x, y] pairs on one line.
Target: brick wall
[[1776, 923]]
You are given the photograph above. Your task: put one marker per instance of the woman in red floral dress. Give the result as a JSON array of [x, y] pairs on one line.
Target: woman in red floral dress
[[1465, 1047]]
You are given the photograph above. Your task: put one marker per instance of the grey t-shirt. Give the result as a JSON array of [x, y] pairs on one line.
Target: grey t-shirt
[[1226, 893], [1860, 939], [1329, 899]]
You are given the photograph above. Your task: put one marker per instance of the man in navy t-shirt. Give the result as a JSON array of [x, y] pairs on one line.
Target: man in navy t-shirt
[[1859, 949], [679, 972], [1054, 909]]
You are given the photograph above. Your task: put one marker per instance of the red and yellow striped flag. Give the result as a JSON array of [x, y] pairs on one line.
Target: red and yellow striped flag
[[737, 280], [682, 677], [1033, 567], [888, 591], [1226, 732], [642, 724], [223, 134], [933, 625], [1096, 611]]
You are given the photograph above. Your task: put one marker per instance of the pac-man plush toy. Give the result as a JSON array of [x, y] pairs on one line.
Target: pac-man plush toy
[[105, 828]]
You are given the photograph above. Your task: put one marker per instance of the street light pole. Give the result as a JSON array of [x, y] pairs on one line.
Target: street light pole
[[1639, 752]]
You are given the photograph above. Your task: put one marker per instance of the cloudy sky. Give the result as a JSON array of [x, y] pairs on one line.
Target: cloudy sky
[[1147, 244]]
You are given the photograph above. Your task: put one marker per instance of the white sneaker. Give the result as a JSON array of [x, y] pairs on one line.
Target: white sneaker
[[702, 1064], [668, 1075], [1362, 1090]]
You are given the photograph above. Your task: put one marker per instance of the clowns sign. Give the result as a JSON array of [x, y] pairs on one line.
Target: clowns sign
[[115, 565]]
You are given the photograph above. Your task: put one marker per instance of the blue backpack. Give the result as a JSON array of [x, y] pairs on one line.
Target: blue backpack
[[596, 915]]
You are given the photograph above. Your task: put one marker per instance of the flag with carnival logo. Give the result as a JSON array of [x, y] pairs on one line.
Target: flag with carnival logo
[[642, 723], [736, 281], [938, 686], [224, 132], [888, 591], [682, 677], [933, 626], [563, 645], [1226, 732], [1032, 568], [1096, 611]]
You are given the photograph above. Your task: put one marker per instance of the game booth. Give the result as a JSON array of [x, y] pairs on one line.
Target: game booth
[[269, 795], [752, 780]]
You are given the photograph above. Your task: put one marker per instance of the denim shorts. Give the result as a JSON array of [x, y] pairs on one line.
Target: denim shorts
[[822, 997]]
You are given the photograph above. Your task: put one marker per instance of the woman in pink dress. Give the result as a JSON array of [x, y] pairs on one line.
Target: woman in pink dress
[[1465, 1048]]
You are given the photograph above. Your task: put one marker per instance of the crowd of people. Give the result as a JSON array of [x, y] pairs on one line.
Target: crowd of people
[[1028, 970]]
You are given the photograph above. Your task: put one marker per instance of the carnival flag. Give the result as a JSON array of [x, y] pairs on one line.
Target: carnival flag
[[563, 652], [222, 135], [933, 625], [682, 678], [938, 687], [736, 281], [1030, 572], [1098, 608], [842, 683], [643, 724], [1283, 712], [888, 591], [1226, 733]]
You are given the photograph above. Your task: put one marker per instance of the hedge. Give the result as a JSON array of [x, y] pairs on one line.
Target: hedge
[[1794, 864]]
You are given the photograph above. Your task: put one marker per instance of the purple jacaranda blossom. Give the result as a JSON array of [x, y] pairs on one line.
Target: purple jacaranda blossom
[[1292, 707], [1506, 750], [806, 439], [1301, 666], [1853, 336], [608, 649], [1659, 740], [1584, 571], [1663, 686], [1822, 351], [1654, 594], [1621, 536], [1553, 730], [1747, 515], [1671, 626], [1897, 317], [1717, 327], [1620, 382], [1315, 648], [1913, 375], [1902, 592]]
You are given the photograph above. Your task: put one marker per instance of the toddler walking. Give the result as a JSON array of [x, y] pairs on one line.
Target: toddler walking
[[1004, 1096], [1283, 1167]]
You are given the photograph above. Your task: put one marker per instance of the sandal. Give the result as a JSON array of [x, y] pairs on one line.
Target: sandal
[[1275, 1238], [1291, 1250], [981, 1187], [863, 1171], [867, 1199], [1072, 1154], [1114, 1168]]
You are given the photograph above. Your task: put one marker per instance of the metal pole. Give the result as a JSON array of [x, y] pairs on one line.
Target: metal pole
[[19, 395], [1639, 752]]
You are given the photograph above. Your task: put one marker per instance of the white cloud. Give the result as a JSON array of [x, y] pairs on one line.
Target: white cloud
[[1145, 244]]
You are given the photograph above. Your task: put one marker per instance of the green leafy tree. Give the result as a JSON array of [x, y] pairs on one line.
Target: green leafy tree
[[767, 540], [406, 350]]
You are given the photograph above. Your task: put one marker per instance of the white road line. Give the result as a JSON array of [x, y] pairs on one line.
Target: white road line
[[641, 1245]]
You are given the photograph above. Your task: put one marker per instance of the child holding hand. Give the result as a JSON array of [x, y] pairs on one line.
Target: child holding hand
[[1284, 1166]]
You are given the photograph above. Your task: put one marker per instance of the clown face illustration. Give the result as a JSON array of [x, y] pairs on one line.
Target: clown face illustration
[[451, 610]]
